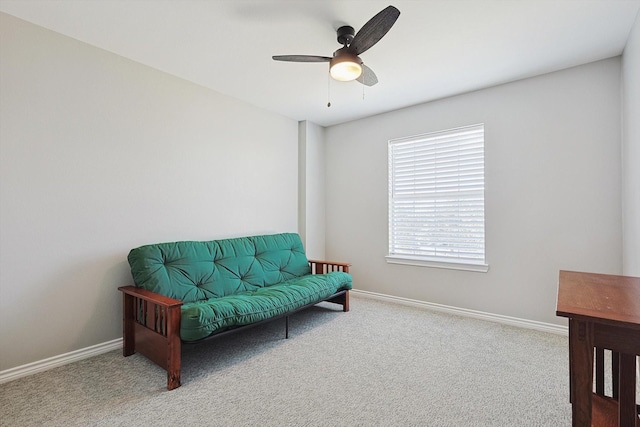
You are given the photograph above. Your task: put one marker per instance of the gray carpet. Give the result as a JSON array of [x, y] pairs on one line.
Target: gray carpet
[[381, 364]]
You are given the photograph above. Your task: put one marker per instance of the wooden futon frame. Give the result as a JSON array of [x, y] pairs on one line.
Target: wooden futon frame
[[151, 322]]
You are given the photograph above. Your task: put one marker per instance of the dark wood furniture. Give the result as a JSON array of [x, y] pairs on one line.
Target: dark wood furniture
[[604, 313], [151, 322]]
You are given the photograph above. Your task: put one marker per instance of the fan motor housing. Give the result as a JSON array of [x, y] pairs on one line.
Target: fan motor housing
[[345, 35]]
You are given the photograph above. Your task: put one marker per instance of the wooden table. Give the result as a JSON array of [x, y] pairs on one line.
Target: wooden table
[[603, 312]]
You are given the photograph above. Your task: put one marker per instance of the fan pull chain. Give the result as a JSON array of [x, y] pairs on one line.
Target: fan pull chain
[[328, 90]]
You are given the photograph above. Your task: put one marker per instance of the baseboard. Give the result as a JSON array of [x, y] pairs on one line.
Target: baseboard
[[54, 362], [507, 320]]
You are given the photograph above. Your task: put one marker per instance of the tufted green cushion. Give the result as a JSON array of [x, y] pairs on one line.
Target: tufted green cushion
[[201, 319], [197, 271]]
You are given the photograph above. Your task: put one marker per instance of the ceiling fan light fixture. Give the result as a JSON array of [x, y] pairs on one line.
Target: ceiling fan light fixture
[[345, 67]]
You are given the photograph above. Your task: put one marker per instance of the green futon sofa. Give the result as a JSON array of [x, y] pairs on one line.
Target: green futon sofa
[[191, 291]]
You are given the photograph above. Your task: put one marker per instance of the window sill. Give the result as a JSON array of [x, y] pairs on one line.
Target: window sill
[[420, 262]]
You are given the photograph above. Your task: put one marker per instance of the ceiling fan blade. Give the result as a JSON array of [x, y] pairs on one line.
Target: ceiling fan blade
[[374, 30], [368, 77], [301, 58]]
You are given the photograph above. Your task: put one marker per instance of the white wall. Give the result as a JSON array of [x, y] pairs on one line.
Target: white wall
[[552, 200], [100, 154], [311, 190], [631, 153]]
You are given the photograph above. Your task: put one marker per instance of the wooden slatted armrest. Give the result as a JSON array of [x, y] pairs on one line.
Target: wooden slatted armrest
[[323, 267], [151, 326]]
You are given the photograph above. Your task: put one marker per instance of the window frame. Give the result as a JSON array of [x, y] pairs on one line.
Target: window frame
[[437, 195]]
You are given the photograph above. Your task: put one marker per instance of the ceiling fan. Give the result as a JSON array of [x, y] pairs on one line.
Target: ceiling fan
[[346, 65]]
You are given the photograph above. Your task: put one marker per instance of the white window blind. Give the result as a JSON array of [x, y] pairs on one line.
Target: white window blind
[[436, 199]]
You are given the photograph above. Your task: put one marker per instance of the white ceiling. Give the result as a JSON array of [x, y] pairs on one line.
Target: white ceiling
[[437, 48]]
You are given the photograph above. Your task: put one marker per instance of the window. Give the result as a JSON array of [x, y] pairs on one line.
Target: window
[[436, 199]]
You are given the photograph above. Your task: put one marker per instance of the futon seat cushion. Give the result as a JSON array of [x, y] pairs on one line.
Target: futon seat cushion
[[202, 318], [232, 282]]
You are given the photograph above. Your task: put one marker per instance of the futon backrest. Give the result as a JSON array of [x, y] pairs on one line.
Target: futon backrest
[[194, 271]]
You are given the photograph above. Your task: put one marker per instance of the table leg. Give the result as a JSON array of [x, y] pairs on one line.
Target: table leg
[[627, 396], [581, 353], [571, 399]]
